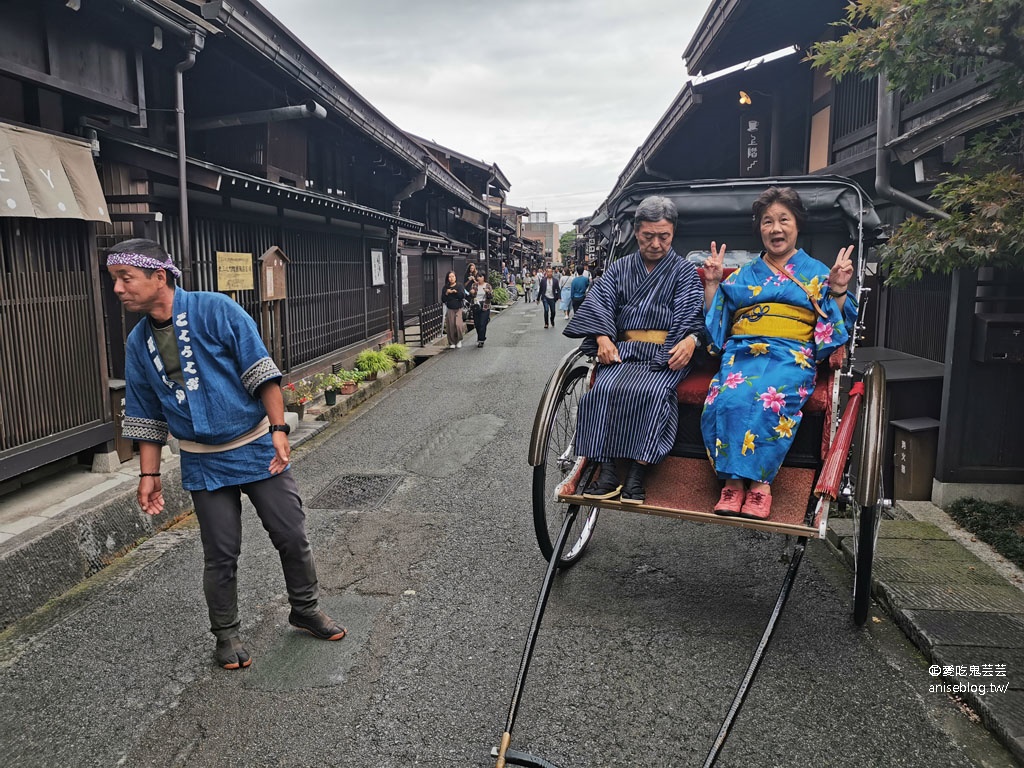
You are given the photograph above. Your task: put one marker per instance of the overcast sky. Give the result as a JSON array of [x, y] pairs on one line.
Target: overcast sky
[[558, 93]]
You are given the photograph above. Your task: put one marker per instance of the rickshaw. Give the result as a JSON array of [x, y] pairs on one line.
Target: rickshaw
[[835, 461]]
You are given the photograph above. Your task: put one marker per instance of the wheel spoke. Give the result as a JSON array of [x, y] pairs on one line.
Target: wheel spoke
[[560, 453]]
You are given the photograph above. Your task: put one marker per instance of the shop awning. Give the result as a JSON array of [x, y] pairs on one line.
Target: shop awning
[[44, 176]]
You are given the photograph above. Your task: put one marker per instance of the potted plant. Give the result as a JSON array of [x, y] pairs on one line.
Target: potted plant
[[372, 362], [397, 352], [349, 381], [297, 395], [330, 384]]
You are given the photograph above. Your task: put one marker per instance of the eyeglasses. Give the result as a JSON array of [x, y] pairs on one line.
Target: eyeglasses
[[649, 237]]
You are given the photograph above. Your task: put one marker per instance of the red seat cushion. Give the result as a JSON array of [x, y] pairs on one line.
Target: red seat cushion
[[693, 390]]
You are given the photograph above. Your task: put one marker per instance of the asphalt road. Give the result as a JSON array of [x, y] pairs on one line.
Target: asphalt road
[[641, 650]]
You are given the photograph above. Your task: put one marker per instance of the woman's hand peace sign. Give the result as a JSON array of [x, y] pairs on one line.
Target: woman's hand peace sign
[[713, 264], [842, 271]]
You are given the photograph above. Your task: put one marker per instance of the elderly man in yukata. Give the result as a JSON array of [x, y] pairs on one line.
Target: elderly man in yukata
[[643, 320]]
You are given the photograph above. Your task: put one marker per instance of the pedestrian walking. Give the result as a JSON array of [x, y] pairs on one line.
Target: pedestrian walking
[[453, 296], [196, 368], [480, 297], [565, 295], [549, 294], [529, 279], [578, 287], [470, 278]]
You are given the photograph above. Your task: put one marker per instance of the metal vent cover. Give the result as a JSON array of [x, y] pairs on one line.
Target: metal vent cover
[[356, 492]]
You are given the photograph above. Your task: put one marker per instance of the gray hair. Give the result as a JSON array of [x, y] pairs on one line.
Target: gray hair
[[656, 208]]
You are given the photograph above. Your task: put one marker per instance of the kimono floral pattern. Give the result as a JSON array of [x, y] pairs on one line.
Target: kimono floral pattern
[[755, 400]]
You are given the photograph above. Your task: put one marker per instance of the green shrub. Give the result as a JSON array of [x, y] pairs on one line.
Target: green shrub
[[346, 375], [999, 524], [501, 295], [397, 352], [371, 361]]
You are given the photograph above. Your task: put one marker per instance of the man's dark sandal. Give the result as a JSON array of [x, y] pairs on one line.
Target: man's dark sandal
[[633, 489], [606, 486], [319, 625], [231, 654]]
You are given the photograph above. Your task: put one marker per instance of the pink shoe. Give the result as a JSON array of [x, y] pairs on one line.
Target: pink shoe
[[758, 505], [729, 502]]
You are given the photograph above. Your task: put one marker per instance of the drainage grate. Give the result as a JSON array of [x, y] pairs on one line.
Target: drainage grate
[[356, 492]]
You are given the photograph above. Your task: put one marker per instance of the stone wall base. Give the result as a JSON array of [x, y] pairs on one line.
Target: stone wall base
[[944, 494]]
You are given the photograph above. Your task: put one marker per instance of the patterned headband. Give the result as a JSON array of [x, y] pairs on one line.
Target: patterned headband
[[143, 262]]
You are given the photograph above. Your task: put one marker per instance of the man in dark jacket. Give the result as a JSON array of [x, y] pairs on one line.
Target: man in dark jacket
[[549, 294]]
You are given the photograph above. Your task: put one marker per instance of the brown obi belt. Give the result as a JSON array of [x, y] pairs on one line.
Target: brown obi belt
[[776, 320], [651, 337]]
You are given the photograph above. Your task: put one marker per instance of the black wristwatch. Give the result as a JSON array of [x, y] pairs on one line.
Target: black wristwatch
[[280, 428]]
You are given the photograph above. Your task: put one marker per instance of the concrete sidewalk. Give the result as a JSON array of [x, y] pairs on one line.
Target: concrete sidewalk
[[960, 603]]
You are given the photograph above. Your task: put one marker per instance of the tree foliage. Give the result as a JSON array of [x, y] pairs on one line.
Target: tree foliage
[[912, 42], [566, 245]]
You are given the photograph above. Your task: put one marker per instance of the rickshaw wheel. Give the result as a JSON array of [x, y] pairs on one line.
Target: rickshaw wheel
[[559, 459], [864, 552], [869, 496]]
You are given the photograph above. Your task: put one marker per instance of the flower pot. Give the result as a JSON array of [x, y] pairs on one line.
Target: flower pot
[[372, 376], [330, 397], [297, 408], [349, 387]]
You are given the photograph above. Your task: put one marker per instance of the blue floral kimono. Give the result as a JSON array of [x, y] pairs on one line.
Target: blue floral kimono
[[630, 412], [223, 362], [770, 338]]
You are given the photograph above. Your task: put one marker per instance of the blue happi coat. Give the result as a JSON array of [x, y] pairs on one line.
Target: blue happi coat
[[630, 412], [223, 362], [771, 339]]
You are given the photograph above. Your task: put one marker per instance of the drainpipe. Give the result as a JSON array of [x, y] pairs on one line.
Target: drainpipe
[[487, 225], [418, 182], [297, 112], [650, 171], [195, 45], [883, 135]]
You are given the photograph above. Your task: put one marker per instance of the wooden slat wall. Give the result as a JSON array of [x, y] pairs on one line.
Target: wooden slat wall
[[918, 317], [416, 261], [50, 377], [327, 276], [331, 304]]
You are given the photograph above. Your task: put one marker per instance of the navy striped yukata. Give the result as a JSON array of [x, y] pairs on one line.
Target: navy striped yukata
[[630, 412]]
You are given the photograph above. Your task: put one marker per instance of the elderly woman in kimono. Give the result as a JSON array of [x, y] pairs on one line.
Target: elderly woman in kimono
[[772, 321], [642, 320]]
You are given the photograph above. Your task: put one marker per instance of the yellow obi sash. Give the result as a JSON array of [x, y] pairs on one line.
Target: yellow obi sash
[[651, 337], [774, 319]]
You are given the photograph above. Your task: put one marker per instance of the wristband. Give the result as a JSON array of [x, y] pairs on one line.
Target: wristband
[[149, 474], [836, 295]]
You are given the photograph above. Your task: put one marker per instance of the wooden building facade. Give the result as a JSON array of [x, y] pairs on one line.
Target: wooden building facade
[[278, 155], [789, 120]]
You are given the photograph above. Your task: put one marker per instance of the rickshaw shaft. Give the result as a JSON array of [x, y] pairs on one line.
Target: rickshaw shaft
[[542, 602], [755, 661]]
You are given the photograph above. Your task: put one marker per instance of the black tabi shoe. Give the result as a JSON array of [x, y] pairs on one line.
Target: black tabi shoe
[[231, 654], [319, 625], [605, 486], [633, 489]]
